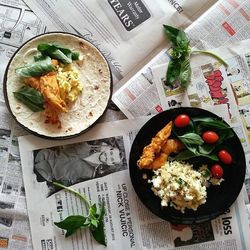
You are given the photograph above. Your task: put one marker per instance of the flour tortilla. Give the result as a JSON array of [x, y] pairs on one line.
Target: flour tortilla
[[94, 74]]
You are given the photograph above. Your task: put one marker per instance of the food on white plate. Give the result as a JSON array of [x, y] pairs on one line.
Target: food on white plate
[[58, 85], [179, 185]]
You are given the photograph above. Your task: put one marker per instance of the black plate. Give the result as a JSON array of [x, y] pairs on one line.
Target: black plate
[[219, 198]]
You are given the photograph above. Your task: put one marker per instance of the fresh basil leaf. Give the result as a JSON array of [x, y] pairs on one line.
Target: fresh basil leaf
[[203, 119], [59, 55], [171, 33], [75, 55], [98, 232], [71, 224], [58, 52], [225, 135], [32, 98], [182, 41], [206, 149], [37, 68], [191, 138], [43, 47], [215, 124], [185, 155], [93, 209], [182, 52], [39, 57], [192, 147], [185, 74], [101, 211], [210, 156], [94, 220], [47, 48], [172, 72]]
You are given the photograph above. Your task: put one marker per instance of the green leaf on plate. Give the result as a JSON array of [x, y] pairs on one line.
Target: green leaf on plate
[[38, 68], [32, 98]]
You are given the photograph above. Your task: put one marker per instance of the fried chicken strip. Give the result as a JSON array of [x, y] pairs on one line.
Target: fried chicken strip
[[171, 146], [51, 92], [49, 88], [150, 151]]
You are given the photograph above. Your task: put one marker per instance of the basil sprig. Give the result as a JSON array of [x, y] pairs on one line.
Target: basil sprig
[[58, 52], [179, 70], [93, 221], [32, 98], [191, 138]]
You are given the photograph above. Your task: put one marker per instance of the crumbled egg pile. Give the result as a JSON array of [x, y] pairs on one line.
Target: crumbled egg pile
[[68, 79], [180, 186]]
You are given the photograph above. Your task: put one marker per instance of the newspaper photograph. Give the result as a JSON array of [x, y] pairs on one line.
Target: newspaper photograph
[[128, 223]]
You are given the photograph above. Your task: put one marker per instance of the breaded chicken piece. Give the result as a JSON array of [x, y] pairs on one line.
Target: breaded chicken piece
[[49, 88], [150, 151], [51, 92], [171, 146]]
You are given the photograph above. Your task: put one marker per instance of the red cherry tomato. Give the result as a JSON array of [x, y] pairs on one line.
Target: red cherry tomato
[[225, 157], [217, 171], [210, 137], [181, 121]]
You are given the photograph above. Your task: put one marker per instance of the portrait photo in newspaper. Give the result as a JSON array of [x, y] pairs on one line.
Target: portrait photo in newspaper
[[74, 163]]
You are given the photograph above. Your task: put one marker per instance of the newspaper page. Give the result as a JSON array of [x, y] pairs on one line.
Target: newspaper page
[[119, 28], [225, 22], [128, 224], [210, 24], [14, 223]]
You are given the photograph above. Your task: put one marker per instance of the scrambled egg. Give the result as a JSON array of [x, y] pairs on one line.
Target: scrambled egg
[[180, 186], [68, 79]]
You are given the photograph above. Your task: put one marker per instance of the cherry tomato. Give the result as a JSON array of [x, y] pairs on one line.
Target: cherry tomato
[[210, 137], [181, 121], [225, 157], [217, 171]]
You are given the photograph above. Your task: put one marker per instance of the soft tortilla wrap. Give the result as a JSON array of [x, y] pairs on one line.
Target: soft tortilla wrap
[[95, 76]]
